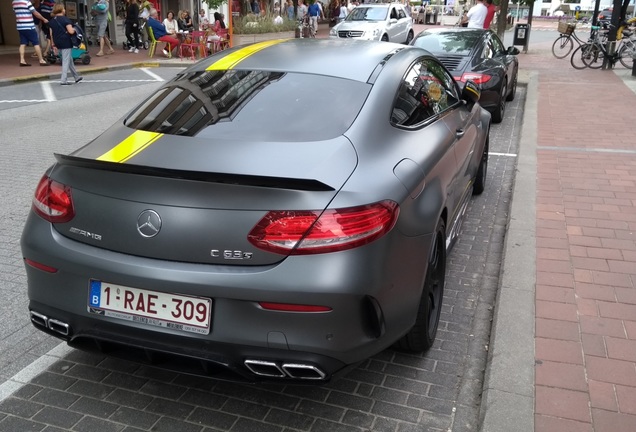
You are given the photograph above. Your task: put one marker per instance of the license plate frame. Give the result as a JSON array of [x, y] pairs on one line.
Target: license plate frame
[[179, 312]]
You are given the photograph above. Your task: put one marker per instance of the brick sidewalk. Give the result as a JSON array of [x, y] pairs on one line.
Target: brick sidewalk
[[585, 329]]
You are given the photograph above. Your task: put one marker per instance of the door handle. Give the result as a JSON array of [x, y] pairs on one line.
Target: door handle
[[460, 132]]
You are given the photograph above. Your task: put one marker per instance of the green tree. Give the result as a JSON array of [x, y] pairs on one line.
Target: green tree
[[214, 4]]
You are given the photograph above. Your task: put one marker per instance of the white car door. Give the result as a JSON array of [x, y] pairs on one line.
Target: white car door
[[393, 27], [403, 23]]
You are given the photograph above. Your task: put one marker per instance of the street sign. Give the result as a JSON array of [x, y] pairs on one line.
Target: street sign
[[577, 8]]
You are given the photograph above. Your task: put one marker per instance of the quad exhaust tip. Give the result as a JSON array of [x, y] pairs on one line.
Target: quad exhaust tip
[[57, 326], [271, 369]]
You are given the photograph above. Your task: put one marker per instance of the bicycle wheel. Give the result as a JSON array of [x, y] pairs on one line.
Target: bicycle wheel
[[625, 55], [562, 46], [593, 56], [577, 57]]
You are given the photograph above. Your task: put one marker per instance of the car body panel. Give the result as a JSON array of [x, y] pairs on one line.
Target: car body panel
[[211, 192]]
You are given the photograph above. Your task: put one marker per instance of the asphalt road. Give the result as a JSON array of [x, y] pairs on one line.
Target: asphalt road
[[46, 386]]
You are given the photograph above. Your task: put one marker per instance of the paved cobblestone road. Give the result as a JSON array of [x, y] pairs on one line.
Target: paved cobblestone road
[[393, 391]]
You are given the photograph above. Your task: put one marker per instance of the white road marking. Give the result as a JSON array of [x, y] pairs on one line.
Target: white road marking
[[25, 101], [17, 381], [502, 154], [48, 91], [152, 74], [117, 81]]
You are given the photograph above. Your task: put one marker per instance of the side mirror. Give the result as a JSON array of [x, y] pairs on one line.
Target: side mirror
[[393, 21], [512, 50], [471, 93]]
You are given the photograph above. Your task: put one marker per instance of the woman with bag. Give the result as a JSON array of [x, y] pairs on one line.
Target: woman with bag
[[61, 29]]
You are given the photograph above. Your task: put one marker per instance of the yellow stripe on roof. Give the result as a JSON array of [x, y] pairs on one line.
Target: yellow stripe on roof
[[231, 60], [135, 143]]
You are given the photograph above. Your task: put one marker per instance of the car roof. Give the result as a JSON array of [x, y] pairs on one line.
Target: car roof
[[380, 5], [342, 58], [454, 30]]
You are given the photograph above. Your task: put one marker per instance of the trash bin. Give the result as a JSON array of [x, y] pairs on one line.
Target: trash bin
[[521, 34]]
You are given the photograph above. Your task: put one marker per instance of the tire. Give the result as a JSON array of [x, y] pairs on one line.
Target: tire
[[480, 179], [593, 57], [498, 113], [513, 90], [562, 46], [385, 38], [86, 59], [577, 57], [625, 56], [409, 38], [422, 335]]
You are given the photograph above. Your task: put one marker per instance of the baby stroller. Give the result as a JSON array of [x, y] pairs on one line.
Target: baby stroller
[[141, 43], [302, 31], [79, 50]]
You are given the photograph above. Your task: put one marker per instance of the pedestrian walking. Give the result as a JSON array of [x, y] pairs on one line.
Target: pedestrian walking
[[61, 29], [24, 13], [100, 12], [132, 26]]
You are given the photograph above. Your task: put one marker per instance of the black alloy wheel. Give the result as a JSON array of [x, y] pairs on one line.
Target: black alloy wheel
[[498, 113], [513, 90], [421, 337], [482, 171]]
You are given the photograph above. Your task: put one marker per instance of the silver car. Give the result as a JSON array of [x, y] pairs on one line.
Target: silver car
[[386, 22], [222, 226]]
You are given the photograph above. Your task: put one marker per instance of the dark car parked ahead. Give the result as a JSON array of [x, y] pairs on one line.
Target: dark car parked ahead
[[476, 55]]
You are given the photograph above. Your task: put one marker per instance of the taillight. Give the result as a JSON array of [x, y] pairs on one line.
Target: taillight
[[53, 201], [477, 78], [313, 232]]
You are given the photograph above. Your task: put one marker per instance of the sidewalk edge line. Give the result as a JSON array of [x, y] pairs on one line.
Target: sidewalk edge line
[[508, 390]]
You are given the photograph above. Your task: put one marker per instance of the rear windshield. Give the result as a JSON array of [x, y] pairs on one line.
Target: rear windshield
[[461, 42], [253, 105]]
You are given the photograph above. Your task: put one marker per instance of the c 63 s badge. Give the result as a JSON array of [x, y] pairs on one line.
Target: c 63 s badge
[[231, 254]]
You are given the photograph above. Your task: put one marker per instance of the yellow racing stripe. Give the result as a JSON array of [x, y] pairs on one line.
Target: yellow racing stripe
[[231, 60], [135, 143]]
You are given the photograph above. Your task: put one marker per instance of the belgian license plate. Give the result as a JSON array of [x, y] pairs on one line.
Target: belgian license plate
[[173, 311]]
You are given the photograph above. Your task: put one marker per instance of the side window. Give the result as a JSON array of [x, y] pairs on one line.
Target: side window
[[488, 50], [401, 14], [393, 13], [497, 45], [427, 90]]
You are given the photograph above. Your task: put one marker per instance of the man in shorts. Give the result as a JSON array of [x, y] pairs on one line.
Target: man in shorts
[[24, 12], [99, 11]]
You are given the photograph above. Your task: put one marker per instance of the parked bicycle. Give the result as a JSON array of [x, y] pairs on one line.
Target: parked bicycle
[[563, 45], [594, 53]]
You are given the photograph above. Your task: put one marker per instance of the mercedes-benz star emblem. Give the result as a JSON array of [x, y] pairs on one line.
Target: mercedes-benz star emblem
[[148, 223]]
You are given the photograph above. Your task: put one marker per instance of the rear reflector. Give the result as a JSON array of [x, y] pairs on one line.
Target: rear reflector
[[53, 201], [40, 266], [314, 232], [285, 307]]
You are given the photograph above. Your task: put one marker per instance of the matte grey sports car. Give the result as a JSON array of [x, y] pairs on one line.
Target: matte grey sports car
[[235, 221]]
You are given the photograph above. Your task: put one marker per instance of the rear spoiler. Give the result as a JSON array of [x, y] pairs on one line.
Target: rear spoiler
[[235, 179]]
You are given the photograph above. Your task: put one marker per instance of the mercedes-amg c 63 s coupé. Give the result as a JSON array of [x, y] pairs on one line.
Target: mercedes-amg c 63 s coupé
[[281, 211]]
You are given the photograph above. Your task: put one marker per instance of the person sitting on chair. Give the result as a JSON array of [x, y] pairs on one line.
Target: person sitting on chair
[[161, 34]]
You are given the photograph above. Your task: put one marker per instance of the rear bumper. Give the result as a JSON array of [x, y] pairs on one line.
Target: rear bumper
[[373, 293]]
